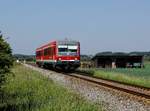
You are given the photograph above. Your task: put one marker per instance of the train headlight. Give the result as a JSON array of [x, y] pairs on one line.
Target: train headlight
[[59, 59], [76, 58]]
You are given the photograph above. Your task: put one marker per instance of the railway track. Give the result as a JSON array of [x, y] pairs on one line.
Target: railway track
[[142, 92], [134, 90]]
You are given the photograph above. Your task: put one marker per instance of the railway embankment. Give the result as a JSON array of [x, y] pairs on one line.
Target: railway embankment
[[28, 90], [110, 99]]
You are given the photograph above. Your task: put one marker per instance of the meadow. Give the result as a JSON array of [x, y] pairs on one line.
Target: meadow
[[134, 76], [28, 90]]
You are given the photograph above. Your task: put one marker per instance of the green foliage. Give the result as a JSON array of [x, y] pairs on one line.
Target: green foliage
[[135, 76], [147, 58], [129, 78], [6, 59], [85, 57], [23, 57], [28, 90]]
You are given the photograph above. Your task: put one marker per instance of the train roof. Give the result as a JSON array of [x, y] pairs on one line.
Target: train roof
[[71, 42], [60, 42], [45, 45]]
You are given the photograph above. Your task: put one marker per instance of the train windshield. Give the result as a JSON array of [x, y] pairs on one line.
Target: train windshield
[[67, 49]]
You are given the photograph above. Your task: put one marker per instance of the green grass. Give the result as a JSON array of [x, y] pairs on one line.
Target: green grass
[[27, 90], [134, 76]]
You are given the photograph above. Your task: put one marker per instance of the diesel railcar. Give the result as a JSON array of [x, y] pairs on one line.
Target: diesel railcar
[[59, 54]]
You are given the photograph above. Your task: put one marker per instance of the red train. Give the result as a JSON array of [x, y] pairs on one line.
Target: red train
[[59, 54]]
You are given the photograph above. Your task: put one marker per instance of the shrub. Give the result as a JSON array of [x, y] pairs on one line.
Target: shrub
[[6, 59]]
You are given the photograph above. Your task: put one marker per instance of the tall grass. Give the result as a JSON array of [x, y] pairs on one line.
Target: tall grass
[[138, 72], [27, 90], [123, 77], [134, 76]]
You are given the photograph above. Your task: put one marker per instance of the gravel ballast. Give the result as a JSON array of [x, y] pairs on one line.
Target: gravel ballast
[[110, 100]]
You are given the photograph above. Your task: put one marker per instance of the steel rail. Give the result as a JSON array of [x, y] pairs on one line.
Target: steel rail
[[119, 82], [110, 84]]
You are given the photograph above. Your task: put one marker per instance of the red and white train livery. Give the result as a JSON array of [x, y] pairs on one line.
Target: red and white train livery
[[59, 54]]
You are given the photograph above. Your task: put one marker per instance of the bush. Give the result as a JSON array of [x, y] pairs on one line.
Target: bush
[[6, 59]]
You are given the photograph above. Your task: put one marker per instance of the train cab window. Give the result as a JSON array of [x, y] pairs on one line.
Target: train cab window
[[62, 49], [72, 50], [67, 49]]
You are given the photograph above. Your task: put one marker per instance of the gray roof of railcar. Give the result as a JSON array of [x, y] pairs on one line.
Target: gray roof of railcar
[[71, 42]]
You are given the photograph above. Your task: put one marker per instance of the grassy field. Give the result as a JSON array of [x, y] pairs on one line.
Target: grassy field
[[135, 76], [27, 90]]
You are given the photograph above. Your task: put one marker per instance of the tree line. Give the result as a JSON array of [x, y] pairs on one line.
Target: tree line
[[22, 57]]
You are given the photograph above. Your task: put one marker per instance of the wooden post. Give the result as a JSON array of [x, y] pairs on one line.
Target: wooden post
[[113, 63], [142, 62]]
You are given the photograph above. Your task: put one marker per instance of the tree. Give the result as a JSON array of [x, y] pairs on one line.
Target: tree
[[6, 59]]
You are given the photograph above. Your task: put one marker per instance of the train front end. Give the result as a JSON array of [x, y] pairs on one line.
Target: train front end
[[68, 55]]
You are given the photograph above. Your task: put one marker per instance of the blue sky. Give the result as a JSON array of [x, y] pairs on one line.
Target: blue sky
[[108, 25]]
